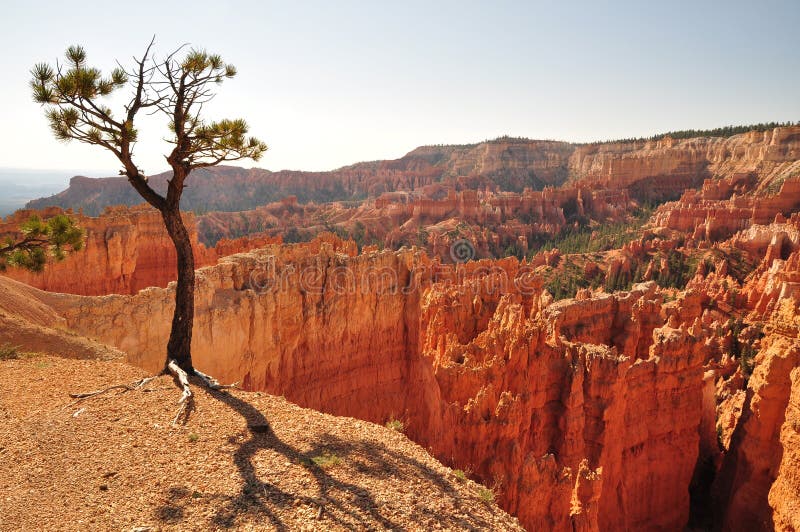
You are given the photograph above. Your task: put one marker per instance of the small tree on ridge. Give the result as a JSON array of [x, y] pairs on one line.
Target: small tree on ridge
[[176, 87]]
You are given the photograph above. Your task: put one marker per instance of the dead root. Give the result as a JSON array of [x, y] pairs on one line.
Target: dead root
[[122, 387], [181, 377]]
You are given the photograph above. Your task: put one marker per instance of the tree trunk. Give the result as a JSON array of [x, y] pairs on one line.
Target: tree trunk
[[179, 347]]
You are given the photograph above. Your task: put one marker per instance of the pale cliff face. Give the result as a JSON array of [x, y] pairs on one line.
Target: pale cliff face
[[667, 167]]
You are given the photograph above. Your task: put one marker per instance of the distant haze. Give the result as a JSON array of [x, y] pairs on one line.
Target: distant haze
[[327, 84], [19, 186]]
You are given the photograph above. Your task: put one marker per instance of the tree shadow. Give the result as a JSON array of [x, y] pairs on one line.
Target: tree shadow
[[344, 504], [172, 511]]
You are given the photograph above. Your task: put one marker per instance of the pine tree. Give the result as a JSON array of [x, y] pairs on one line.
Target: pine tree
[[39, 241], [176, 87]]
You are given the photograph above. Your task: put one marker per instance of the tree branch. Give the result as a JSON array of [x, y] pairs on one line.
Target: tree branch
[[26, 244]]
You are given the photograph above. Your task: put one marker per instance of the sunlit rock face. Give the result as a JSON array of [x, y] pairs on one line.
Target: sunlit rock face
[[665, 168], [126, 250], [594, 413], [585, 412]]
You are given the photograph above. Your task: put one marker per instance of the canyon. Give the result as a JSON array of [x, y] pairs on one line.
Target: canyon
[[663, 392], [562, 401], [126, 250], [649, 169], [592, 412]]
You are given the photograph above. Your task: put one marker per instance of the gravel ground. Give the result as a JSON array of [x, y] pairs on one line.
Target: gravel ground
[[242, 461]]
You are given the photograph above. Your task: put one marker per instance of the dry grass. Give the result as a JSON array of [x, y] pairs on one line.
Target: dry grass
[[486, 494], [9, 352], [326, 460]]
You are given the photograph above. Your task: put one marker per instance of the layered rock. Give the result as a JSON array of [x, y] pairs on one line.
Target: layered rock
[[511, 164], [29, 325], [755, 485], [660, 169], [126, 250], [784, 495], [584, 413], [777, 275], [563, 398], [664, 169], [714, 220], [433, 217], [592, 413], [752, 179], [763, 444]]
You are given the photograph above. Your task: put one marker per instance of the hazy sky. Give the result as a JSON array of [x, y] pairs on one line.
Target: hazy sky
[[327, 84]]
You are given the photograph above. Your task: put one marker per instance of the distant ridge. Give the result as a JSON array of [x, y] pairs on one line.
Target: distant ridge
[[505, 163]]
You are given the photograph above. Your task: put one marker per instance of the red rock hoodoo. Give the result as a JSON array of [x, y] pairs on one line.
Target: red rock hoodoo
[[662, 391], [126, 250], [570, 407]]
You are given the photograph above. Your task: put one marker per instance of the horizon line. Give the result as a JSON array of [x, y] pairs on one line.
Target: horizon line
[[76, 172]]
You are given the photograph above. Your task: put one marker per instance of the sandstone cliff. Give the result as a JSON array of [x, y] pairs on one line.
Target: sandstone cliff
[[651, 170], [755, 484], [126, 250], [783, 496], [510, 164], [665, 168], [29, 325], [433, 217], [593, 413], [606, 411], [585, 413]]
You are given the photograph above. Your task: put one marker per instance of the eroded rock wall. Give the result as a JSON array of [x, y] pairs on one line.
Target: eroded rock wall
[[665, 168], [585, 413], [784, 495], [126, 250]]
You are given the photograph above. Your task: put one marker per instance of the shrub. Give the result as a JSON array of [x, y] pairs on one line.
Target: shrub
[[460, 475], [326, 460], [486, 494], [395, 425], [9, 352]]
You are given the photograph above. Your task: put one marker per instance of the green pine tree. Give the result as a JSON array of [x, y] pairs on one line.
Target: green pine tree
[[176, 87], [39, 241]]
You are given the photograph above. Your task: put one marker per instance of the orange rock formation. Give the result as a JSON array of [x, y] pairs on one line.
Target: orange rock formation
[[127, 249], [594, 413], [586, 412], [667, 167], [602, 412]]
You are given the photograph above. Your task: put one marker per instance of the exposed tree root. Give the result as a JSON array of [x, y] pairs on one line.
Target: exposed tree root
[[123, 387], [186, 401], [181, 377], [211, 382]]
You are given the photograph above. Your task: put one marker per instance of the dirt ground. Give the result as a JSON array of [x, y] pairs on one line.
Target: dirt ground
[[242, 461]]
